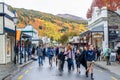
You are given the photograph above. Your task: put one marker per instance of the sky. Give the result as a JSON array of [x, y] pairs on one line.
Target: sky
[[74, 7]]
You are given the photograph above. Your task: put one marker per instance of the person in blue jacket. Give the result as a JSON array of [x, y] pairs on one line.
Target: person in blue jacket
[[50, 55], [90, 57]]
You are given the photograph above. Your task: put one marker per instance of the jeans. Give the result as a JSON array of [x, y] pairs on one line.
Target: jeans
[[40, 60], [70, 64], [50, 61], [108, 60]]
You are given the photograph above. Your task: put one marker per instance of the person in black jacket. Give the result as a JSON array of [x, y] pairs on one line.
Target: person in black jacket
[[78, 60], [61, 57], [83, 60]]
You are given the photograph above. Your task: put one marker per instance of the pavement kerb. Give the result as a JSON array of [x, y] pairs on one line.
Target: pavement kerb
[[102, 67], [23, 65], [8, 77]]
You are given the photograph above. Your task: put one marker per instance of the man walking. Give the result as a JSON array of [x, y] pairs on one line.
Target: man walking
[[40, 55], [90, 57]]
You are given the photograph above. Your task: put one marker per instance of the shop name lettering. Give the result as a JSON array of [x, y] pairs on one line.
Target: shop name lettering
[[113, 27]]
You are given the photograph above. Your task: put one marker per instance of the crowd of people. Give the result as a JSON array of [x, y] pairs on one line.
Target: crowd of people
[[72, 55]]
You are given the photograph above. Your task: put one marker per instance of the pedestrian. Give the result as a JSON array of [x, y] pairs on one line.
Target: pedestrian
[[40, 55], [70, 58], [16, 49], [61, 57], [95, 51], [78, 57], [29, 51], [98, 54], [33, 50], [90, 57], [118, 54], [83, 59], [107, 55], [50, 55], [44, 53], [57, 52]]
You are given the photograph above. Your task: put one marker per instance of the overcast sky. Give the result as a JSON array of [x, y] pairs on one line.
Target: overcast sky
[[74, 7]]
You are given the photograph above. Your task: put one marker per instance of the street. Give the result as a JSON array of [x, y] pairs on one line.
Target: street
[[45, 72]]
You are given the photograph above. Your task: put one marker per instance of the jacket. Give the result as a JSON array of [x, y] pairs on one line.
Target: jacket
[[90, 56], [78, 57], [39, 51]]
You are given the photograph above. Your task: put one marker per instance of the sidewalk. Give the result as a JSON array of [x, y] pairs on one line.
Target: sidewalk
[[113, 68], [10, 69]]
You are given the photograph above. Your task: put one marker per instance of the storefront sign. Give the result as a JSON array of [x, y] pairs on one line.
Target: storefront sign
[[1, 8], [1, 25], [113, 32], [9, 24], [113, 27]]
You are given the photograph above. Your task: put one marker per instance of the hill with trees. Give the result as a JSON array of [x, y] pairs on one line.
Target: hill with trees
[[49, 24]]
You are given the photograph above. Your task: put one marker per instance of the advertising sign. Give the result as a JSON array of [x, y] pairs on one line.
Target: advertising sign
[[1, 25], [113, 32]]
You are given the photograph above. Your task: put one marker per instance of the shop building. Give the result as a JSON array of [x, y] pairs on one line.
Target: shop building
[[32, 32], [103, 27], [7, 34]]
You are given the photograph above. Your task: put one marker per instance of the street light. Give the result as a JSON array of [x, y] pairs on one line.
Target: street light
[[15, 20]]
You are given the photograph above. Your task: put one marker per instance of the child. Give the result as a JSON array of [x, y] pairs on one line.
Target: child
[[78, 60]]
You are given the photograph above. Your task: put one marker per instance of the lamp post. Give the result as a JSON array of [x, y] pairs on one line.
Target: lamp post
[[15, 20]]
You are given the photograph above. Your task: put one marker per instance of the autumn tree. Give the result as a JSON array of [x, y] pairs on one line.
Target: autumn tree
[[64, 38]]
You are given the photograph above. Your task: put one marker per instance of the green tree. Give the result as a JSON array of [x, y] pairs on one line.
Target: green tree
[[64, 38]]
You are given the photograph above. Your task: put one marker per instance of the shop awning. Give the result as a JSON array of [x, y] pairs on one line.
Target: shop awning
[[26, 36], [88, 32], [9, 30], [84, 33]]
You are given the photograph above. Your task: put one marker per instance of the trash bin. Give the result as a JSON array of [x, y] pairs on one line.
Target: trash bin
[[113, 57]]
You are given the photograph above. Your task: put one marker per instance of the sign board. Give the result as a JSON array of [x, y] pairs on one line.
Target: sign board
[[113, 32], [9, 24], [1, 8], [1, 24]]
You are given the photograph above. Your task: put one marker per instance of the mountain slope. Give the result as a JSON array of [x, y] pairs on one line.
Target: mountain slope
[[71, 17], [48, 24]]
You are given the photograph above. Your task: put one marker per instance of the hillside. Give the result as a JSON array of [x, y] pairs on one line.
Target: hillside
[[48, 24], [71, 17]]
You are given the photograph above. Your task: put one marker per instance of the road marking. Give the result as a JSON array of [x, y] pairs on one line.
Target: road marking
[[26, 71], [100, 70], [20, 77], [113, 78]]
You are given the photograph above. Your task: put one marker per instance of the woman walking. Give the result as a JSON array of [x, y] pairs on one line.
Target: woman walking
[[78, 56], [70, 57], [61, 57]]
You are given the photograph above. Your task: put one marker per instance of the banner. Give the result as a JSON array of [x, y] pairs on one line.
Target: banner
[[18, 35]]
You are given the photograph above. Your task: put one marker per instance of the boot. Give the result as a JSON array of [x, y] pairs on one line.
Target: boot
[[92, 76], [86, 73]]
